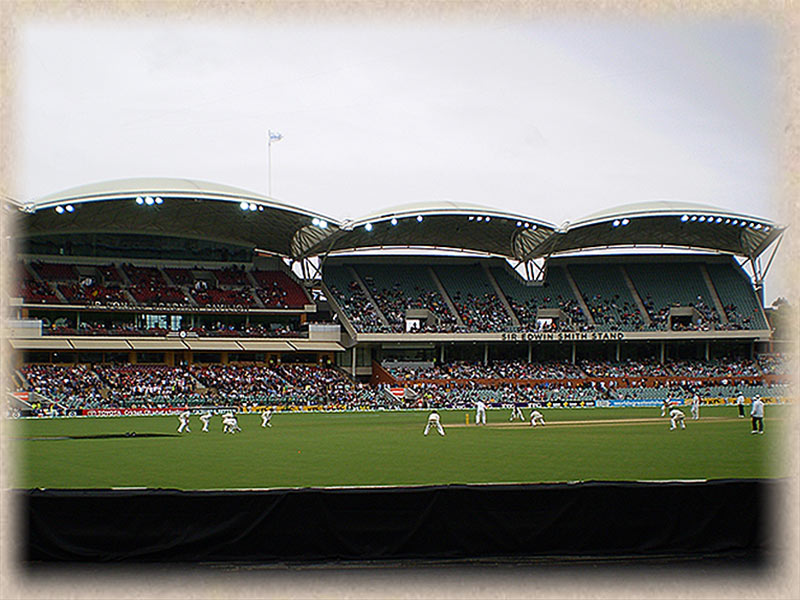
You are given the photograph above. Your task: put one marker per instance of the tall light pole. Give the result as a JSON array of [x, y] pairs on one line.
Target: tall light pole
[[273, 136]]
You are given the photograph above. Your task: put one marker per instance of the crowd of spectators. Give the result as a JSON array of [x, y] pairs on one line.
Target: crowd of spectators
[[721, 367], [359, 309], [455, 384], [643, 367], [774, 364], [156, 286], [500, 369], [613, 313]]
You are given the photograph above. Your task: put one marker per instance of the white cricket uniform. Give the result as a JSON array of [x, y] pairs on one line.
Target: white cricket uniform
[[480, 413], [536, 417], [265, 418], [434, 421], [664, 407], [757, 415], [696, 407], [516, 413], [184, 419], [230, 424], [205, 418], [740, 405], [676, 416]]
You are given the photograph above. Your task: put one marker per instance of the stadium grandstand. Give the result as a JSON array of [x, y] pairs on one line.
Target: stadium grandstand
[[151, 293]]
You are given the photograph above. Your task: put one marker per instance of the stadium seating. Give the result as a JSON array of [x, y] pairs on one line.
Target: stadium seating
[[554, 293], [662, 286], [605, 293], [352, 299], [737, 296], [474, 297], [398, 288]]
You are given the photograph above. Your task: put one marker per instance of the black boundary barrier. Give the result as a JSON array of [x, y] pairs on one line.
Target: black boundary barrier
[[599, 519]]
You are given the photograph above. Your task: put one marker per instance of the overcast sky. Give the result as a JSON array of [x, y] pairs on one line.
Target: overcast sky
[[554, 119]]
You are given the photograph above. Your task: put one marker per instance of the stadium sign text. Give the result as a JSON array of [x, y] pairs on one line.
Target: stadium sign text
[[563, 336]]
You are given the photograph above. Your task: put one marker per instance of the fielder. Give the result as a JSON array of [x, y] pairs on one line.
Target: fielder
[[480, 413], [434, 421], [536, 417], [205, 418], [184, 419], [676, 416], [516, 412], [665, 404], [230, 424], [265, 418], [696, 407], [740, 404]]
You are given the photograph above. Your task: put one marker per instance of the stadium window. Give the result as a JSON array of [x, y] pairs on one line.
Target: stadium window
[[149, 357], [120, 358], [36, 357], [90, 357], [207, 357], [64, 357]]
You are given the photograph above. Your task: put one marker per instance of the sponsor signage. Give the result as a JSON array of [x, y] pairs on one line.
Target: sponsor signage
[[657, 402], [126, 412]]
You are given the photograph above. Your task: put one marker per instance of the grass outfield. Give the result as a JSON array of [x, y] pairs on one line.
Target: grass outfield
[[388, 448]]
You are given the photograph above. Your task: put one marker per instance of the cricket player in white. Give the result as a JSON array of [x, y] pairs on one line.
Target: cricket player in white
[[740, 405], [665, 407], [516, 413], [184, 419], [480, 413], [230, 423], [205, 418], [265, 417], [696, 407], [676, 416], [536, 417], [434, 421], [757, 414]]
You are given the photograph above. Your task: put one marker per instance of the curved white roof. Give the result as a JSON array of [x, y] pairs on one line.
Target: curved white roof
[[213, 211], [657, 208]]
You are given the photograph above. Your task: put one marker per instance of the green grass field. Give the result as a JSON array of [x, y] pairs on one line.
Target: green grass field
[[388, 448]]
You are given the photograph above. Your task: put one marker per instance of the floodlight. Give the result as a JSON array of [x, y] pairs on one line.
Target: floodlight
[[719, 219], [758, 225], [323, 224], [625, 221], [615, 223], [253, 206], [471, 218], [684, 218], [60, 209], [315, 222], [419, 218], [527, 225], [735, 222], [159, 200], [519, 223], [488, 219], [701, 219], [394, 221], [139, 200], [534, 227], [69, 208], [368, 226], [479, 219], [243, 205], [693, 219]]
